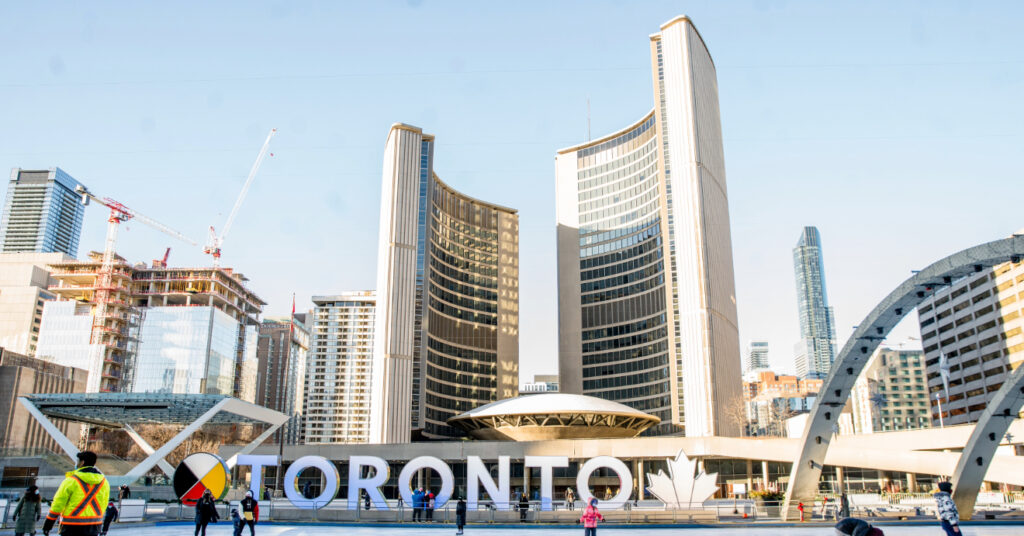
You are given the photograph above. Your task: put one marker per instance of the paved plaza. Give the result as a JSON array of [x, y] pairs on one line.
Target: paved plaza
[[223, 529]]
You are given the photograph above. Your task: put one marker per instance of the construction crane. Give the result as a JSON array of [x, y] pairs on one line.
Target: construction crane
[[110, 317], [214, 241]]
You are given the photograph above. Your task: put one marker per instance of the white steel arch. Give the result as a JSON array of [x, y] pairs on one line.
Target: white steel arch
[[823, 418]]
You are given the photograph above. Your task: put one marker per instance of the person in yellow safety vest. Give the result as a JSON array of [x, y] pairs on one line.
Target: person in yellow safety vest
[[80, 500]]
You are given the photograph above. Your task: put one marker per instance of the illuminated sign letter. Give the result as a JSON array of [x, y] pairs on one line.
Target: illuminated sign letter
[[546, 464], [370, 484], [447, 479], [477, 473], [258, 462], [625, 481], [331, 479]]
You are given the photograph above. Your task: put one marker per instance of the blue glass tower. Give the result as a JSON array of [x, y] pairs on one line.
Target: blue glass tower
[[42, 213], [816, 349]]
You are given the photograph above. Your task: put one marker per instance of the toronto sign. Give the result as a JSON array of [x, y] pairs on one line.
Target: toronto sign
[[682, 479]]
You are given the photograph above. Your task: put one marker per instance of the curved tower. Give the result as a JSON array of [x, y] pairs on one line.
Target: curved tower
[[447, 324], [647, 307]]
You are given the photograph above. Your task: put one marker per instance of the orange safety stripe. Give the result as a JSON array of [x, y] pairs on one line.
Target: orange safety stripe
[[88, 500], [52, 515]]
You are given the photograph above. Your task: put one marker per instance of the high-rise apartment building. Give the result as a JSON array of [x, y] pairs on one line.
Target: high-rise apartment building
[[891, 393], [339, 375], [976, 322], [646, 293], [447, 298], [283, 351], [816, 349], [757, 357], [42, 214], [164, 330], [21, 376], [24, 283]]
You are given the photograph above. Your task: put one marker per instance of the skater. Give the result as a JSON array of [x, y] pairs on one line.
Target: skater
[[306, 491], [856, 527], [590, 518], [29, 509], [417, 505], [366, 500], [237, 522], [250, 512], [947, 513], [460, 515], [206, 512], [429, 505], [570, 499], [80, 500], [524, 506], [109, 517], [801, 508]]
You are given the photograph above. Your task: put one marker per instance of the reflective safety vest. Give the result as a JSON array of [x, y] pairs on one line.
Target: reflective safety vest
[[81, 499]]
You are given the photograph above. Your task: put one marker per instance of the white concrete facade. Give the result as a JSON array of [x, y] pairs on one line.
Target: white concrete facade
[[24, 278], [391, 397], [645, 253], [338, 380]]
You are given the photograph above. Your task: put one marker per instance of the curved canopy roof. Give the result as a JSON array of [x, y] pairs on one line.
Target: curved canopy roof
[[548, 403], [114, 410]]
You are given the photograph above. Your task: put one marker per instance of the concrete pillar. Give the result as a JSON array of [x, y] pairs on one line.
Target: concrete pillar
[[526, 480], [881, 480], [840, 480], [911, 482], [638, 478], [764, 474], [419, 479], [750, 475]]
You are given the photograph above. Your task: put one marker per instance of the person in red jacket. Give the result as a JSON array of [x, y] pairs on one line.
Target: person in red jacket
[[590, 518], [250, 512]]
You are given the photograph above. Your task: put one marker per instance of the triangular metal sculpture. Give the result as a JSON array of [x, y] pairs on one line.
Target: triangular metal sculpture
[[683, 486]]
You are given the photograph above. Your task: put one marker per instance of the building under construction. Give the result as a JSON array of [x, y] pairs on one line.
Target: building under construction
[[153, 328]]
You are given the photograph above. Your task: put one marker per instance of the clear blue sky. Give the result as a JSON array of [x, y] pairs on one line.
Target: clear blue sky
[[896, 128]]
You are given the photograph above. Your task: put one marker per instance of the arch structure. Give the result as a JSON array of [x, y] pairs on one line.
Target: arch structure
[[981, 447], [824, 416]]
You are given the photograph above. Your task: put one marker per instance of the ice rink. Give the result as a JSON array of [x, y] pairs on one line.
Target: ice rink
[[223, 529]]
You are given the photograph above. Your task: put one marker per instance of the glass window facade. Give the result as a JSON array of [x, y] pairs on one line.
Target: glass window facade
[[187, 350], [43, 213]]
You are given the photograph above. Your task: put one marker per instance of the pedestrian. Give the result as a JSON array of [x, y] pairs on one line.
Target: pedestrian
[[460, 515], [81, 499], [947, 513], [417, 504], [844, 506], [109, 517], [590, 518], [800, 507], [524, 506], [236, 522], [266, 494], [206, 512], [856, 527], [126, 492], [29, 509], [366, 500], [250, 512], [570, 499], [430, 506], [306, 492]]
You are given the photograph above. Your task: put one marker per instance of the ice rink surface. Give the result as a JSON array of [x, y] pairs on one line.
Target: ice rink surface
[[223, 529]]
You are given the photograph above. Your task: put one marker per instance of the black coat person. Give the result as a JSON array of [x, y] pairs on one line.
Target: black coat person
[[206, 512], [852, 526], [460, 514]]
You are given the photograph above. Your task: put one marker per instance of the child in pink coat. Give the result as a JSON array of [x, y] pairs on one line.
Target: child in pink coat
[[590, 518]]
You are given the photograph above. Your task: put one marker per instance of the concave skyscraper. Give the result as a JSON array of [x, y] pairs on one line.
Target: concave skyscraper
[[646, 294]]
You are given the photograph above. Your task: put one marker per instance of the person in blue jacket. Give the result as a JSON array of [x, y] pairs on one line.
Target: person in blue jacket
[[417, 504]]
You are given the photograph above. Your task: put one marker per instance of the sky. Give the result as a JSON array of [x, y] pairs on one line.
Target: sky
[[894, 127]]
